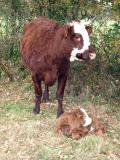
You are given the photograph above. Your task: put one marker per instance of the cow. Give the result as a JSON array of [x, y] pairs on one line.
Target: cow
[[47, 48]]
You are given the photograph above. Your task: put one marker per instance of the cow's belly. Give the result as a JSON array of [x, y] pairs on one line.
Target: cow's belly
[[50, 78], [47, 74]]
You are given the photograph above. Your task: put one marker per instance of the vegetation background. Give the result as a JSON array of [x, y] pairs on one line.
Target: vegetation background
[[95, 83]]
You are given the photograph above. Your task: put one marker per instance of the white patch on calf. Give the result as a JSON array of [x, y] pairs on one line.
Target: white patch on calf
[[79, 27], [91, 129], [88, 120]]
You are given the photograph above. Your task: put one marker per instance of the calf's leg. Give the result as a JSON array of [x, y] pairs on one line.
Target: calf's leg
[[60, 93], [38, 93]]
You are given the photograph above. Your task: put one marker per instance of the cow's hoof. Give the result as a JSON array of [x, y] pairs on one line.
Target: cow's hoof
[[36, 110], [45, 99]]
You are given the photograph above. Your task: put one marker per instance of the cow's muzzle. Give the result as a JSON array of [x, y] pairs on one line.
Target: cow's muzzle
[[87, 55]]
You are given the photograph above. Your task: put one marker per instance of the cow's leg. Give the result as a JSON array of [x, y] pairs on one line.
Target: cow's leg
[[46, 94], [38, 93], [60, 93]]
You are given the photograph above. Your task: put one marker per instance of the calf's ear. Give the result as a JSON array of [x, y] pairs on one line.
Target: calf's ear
[[89, 29]]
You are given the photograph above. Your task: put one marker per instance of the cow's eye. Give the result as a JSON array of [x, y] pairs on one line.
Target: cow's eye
[[77, 38]]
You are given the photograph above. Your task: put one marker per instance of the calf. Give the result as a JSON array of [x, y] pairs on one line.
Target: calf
[[77, 123], [47, 49]]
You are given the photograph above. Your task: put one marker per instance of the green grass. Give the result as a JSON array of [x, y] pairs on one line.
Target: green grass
[[25, 136]]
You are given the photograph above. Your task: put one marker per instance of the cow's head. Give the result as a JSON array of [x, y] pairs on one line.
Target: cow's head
[[82, 49]]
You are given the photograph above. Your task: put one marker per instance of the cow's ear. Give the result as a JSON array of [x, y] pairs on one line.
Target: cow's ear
[[89, 29], [69, 31]]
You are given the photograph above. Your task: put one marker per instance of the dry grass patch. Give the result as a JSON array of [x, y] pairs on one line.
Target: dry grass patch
[[24, 136]]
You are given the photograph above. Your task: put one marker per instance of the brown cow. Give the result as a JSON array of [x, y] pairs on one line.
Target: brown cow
[[47, 49]]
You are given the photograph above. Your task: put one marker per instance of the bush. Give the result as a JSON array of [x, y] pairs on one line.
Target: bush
[[100, 77]]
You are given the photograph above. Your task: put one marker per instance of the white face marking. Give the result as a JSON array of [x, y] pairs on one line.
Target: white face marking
[[88, 120], [79, 27], [73, 55]]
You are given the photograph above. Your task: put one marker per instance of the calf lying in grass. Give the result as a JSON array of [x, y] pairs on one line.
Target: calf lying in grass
[[77, 123]]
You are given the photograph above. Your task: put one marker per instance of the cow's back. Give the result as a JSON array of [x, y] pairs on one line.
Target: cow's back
[[37, 39]]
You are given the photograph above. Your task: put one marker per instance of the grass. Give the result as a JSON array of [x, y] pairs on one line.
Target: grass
[[24, 136]]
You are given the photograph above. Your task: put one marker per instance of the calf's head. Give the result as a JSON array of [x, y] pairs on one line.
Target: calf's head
[[79, 34]]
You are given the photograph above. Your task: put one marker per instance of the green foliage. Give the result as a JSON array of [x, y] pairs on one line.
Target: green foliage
[[101, 77]]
